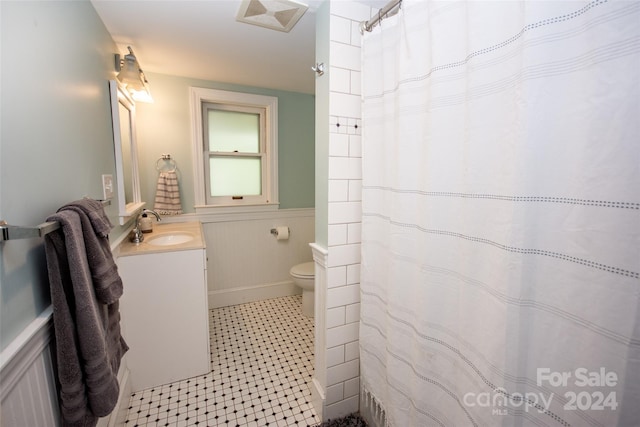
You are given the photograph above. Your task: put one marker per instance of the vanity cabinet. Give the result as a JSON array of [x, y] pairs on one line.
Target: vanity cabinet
[[164, 314]]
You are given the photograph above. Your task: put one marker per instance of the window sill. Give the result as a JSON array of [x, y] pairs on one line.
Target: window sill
[[231, 209]]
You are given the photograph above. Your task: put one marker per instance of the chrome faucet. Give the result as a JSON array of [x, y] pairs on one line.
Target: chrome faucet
[[136, 234]]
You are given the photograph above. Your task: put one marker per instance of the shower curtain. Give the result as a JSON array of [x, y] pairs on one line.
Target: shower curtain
[[501, 214]]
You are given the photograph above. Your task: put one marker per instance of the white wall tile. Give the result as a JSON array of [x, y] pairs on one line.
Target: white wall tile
[[344, 255], [335, 355], [352, 313], [356, 37], [335, 316], [342, 408], [343, 372], [355, 190], [337, 235], [342, 334], [355, 168], [344, 56], [350, 9], [351, 387], [335, 393], [345, 168], [352, 350], [339, 168], [344, 212], [336, 276], [355, 85], [340, 127], [340, 80], [339, 145], [339, 190], [340, 124], [343, 295], [345, 105], [355, 146], [354, 232], [353, 274], [340, 29]]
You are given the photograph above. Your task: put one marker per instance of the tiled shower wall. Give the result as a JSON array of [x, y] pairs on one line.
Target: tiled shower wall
[[342, 297]]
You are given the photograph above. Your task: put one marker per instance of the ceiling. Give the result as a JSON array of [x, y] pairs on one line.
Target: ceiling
[[202, 39]]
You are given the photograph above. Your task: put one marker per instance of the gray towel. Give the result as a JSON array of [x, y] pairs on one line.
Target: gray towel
[[85, 288], [106, 281]]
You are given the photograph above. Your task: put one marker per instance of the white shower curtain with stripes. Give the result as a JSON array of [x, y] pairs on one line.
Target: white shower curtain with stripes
[[501, 214]]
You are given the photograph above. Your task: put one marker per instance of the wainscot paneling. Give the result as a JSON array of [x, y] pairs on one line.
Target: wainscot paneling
[[245, 261]]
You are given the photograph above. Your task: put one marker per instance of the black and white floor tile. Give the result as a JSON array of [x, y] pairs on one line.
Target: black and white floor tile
[[261, 367]]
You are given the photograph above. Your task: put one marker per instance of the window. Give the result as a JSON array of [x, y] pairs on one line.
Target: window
[[234, 150]]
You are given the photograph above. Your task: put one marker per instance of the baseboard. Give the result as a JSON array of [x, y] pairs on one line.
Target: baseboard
[[317, 397], [227, 297]]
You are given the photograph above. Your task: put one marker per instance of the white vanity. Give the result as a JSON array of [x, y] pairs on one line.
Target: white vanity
[[164, 306]]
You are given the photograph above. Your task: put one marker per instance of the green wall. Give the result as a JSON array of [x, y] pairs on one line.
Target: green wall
[[55, 139], [165, 127], [322, 128]]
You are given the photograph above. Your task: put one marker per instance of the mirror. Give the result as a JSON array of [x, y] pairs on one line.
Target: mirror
[[123, 113]]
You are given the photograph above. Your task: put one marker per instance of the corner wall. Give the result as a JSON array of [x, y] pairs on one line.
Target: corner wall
[[336, 382]]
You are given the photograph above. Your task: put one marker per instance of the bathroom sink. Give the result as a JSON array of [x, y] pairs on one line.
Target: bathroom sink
[[169, 239]]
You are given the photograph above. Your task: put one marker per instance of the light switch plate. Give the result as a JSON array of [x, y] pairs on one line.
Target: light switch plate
[[107, 186]]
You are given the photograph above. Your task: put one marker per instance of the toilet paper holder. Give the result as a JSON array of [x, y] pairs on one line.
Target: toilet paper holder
[[274, 231]]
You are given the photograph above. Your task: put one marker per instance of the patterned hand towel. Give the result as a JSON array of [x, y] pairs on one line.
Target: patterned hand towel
[[168, 194]]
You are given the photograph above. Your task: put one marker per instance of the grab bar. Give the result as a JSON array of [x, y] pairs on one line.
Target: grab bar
[[14, 232]]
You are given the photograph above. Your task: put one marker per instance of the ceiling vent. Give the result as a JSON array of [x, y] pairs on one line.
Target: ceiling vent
[[279, 15]]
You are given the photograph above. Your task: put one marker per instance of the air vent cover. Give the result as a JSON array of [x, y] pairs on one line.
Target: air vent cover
[[279, 15]]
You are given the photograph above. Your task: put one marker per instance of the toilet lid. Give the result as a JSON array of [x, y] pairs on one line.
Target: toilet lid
[[304, 269]]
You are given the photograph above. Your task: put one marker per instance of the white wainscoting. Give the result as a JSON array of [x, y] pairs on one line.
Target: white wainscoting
[[245, 261], [28, 395], [27, 385]]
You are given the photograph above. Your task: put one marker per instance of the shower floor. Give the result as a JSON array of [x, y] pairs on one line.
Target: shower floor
[[261, 365]]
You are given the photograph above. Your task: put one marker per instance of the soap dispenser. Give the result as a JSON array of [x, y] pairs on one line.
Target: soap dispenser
[[146, 224]]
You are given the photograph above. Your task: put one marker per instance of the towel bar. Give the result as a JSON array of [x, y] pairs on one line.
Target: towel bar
[[14, 232]]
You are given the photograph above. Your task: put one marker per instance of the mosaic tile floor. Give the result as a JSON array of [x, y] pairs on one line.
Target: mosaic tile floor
[[261, 365]]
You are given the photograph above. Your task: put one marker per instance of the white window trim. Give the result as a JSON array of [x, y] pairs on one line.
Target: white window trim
[[197, 96]]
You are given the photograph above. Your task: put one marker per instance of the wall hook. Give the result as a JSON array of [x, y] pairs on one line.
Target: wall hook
[[318, 68]]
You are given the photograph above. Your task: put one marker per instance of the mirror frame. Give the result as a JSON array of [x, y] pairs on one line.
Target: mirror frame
[[119, 96]]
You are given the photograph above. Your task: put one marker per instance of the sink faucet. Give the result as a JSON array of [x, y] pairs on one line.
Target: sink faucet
[[136, 233]]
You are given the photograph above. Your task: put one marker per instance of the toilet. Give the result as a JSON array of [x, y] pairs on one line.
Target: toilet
[[304, 276]]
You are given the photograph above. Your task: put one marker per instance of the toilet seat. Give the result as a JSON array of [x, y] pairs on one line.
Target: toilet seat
[[304, 270]]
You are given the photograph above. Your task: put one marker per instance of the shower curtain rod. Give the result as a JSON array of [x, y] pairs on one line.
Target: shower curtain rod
[[382, 13]]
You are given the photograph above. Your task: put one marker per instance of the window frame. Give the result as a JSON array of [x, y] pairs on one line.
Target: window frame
[[269, 200], [261, 154]]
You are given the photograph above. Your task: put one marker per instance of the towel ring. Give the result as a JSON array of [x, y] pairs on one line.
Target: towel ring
[[166, 158]]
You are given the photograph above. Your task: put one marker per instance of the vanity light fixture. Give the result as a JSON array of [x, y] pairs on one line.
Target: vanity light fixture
[[132, 77], [279, 15]]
